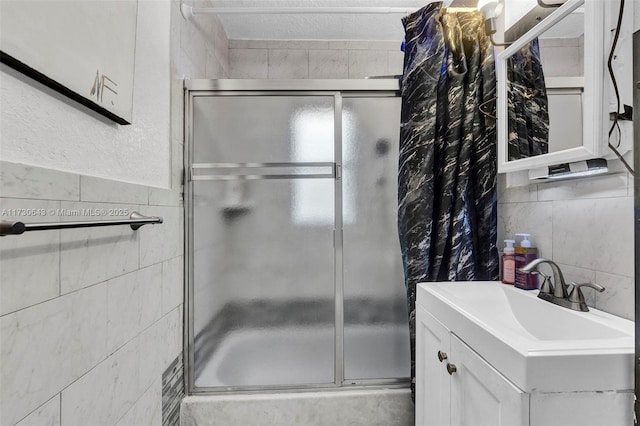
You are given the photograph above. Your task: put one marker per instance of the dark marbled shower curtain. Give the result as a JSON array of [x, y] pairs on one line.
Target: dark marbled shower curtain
[[447, 166], [527, 104]]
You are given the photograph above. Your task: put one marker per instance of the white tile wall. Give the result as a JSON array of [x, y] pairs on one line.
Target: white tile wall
[[92, 255], [288, 63], [313, 58], [21, 284], [90, 318], [586, 226], [249, 63], [328, 64], [47, 415], [147, 410], [48, 346], [110, 382], [82, 320]]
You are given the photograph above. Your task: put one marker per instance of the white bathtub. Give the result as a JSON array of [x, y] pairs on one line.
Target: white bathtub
[[284, 359], [295, 356]]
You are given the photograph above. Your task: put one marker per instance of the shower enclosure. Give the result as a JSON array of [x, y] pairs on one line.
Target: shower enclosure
[[294, 272]]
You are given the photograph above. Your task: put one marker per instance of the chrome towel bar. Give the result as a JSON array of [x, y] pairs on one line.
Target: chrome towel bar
[[136, 220]]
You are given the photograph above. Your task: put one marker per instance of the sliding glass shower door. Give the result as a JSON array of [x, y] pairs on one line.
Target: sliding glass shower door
[[294, 272]]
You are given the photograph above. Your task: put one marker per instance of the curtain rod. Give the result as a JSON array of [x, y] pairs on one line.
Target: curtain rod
[[190, 11]]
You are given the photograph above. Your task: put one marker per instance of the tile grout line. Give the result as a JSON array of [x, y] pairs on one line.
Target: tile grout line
[[89, 286]]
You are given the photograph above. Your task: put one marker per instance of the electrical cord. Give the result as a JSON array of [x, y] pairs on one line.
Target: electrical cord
[[616, 125]]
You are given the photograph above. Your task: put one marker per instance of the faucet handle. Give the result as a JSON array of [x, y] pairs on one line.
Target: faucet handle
[[576, 296], [546, 286]]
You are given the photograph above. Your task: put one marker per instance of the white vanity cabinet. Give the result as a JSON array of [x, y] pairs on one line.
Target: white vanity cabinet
[[455, 386], [491, 354]]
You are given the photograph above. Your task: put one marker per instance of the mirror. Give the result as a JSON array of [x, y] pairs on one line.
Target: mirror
[[550, 90]]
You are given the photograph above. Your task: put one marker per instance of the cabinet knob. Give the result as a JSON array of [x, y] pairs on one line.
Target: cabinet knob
[[442, 356], [451, 368]]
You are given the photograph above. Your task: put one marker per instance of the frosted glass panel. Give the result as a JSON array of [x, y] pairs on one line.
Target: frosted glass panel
[[263, 286], [376, 342], [252, 129]]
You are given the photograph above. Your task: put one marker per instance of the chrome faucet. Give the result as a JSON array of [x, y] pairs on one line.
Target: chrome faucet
[[559, 292]]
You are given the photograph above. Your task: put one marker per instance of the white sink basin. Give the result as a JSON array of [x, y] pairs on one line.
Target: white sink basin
[[537, 345]]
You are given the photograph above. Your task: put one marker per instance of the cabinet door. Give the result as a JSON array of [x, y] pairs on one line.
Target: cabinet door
[[480, 395], [432, 380]]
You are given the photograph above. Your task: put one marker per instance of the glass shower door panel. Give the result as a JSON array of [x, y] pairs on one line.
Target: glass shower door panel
[[376, 334], [263, 283], [260, 129]]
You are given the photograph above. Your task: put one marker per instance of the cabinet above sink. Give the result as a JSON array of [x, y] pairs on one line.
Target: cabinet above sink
[[555, 92]]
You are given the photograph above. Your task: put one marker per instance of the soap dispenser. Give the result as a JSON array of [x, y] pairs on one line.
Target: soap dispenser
[[509, 263], [524, 255]]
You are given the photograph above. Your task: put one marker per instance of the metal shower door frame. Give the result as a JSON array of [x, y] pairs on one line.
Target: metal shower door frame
[[336, 88]]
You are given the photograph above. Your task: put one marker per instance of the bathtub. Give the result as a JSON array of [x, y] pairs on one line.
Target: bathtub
[[298, 357]]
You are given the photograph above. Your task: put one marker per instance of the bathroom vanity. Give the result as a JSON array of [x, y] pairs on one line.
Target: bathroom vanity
[[489, 353]]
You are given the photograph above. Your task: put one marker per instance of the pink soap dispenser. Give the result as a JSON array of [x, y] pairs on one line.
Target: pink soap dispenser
[[509, 263]]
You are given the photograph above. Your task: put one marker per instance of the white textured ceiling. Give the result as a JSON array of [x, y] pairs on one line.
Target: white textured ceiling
[[315, 27]]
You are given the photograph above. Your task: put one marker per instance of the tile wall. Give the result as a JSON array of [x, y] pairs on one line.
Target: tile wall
[[584, 225], [282, 59], [91, 318]]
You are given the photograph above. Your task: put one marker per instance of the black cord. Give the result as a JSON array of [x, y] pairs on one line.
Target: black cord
[[616, 125]]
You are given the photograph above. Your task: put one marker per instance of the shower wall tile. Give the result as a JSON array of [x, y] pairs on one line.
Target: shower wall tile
[[110, 382], [214, 68], [297, 44], [364, 63], [618, 296], [172, 294], [288, 63], [164, 197], [363, 45], [248, 44], [159, 345], [92, 255], [24, 181], [396, 62], [46, 347], [249, 63], [192, 40], [614, 185], [48, 414], [601, 240], [29, 263], [111, 191], [147, 410], [163, 241], [325, 58], [328, 64], [134, 302]]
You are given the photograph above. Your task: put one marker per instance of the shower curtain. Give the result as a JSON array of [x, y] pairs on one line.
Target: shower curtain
[[447, 166], [527, 104]]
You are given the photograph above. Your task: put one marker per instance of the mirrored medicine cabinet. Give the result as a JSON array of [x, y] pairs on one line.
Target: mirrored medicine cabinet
[[554, 90]]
